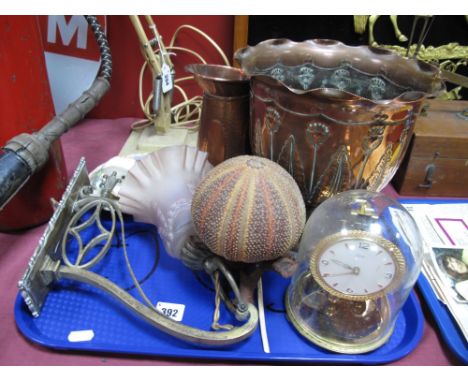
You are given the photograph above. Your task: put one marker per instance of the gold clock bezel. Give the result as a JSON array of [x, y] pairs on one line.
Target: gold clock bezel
[[391, 248]]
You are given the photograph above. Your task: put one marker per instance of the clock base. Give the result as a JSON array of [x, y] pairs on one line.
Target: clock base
[[339, 325]]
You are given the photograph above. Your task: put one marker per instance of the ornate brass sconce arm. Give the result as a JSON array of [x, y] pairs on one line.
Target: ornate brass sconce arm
[[158, 320], [81, 200]]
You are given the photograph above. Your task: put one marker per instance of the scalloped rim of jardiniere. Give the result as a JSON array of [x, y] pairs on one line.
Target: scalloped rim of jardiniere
[[404, 102], [333, 54]]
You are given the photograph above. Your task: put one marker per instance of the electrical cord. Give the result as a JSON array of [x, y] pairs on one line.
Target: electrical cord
[[154, 266], [203, 34], [186, 114]]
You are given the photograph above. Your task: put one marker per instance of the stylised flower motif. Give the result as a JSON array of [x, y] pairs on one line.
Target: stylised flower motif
[[272, 120], [317, 133], [306, 77], [278, 73], [376, 88], [341, 79]]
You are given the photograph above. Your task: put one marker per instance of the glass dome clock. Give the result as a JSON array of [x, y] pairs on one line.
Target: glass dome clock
[[359, 257]]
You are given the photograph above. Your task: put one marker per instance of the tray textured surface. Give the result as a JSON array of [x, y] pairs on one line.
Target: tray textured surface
[[73, 306]]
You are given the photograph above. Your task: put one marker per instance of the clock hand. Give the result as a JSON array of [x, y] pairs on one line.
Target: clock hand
[[338, 274], [338, 262]]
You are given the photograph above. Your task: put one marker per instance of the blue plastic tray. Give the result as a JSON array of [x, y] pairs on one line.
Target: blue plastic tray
[[448, 327], [72, 306]]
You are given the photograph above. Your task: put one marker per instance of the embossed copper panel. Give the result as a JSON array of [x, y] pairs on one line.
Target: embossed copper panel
[[336, 117], [224, 121], [224, 127]]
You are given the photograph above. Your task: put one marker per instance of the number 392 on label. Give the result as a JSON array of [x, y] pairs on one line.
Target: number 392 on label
[[170, 310]]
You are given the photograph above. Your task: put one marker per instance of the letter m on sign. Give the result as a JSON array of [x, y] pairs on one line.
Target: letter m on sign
[[77, 25], [70, 36]]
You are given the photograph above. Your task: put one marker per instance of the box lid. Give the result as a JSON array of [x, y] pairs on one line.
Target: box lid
[[444, 130]]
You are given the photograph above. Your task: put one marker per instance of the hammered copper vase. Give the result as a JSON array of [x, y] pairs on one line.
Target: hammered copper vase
[[336, 117], [224, 121]]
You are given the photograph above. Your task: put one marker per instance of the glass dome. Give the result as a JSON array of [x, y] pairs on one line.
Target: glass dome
[[359, 257]]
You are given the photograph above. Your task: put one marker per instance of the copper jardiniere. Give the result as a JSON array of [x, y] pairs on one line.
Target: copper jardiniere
[[336, 117]]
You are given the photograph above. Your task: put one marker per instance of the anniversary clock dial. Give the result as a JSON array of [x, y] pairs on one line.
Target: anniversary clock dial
[[356, 265]]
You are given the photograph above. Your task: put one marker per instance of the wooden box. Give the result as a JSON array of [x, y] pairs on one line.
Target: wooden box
[[436, 163]]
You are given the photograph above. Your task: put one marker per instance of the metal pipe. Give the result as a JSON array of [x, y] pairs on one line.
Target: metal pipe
[[25, 153]]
